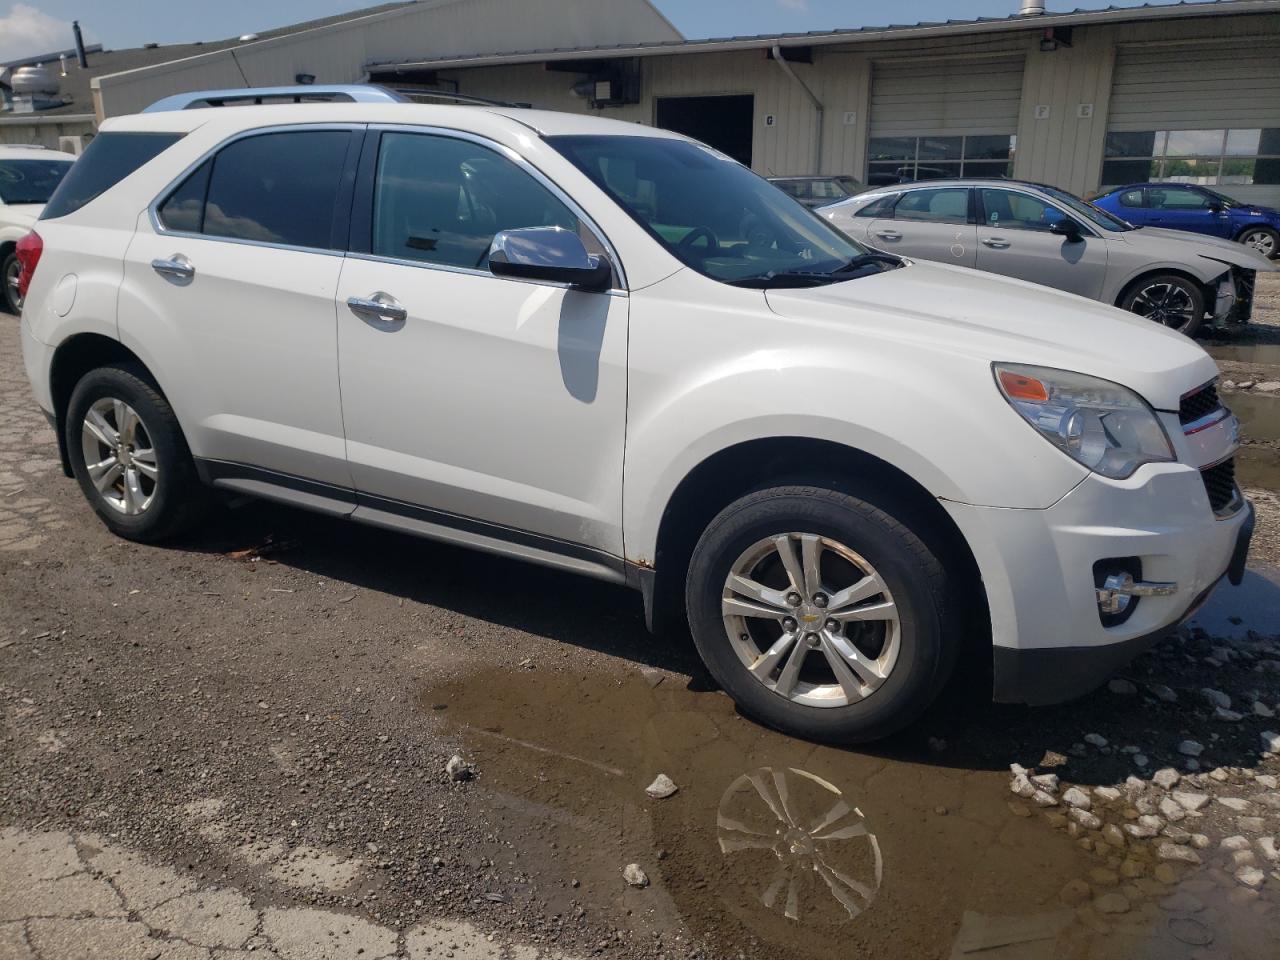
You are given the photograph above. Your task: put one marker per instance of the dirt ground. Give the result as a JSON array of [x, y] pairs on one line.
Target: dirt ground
[[239, 744]]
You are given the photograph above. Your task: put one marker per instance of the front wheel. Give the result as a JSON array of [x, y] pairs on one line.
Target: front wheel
[[10, 268], [820, 614], [130, 456], [1168, 299], [1264, 240]]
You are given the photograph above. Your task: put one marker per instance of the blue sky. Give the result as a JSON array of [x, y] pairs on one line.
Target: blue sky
[[36, 26]]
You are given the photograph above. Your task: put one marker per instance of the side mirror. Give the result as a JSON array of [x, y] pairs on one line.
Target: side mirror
[[1068, 228], [548, 253], [1216, 206]]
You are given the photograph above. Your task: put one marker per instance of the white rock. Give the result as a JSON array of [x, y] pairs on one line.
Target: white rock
[[1043, 798], [1172, 851], [1251, 877], [1270, 741], [1227, 716], [634, 876], [1134, 785], [1075, 797], [1260, 709], [1046, 781], [1215, 697], [1218, 774], [1234, 803], [1085, 819], [1199, 841], [1140, 830], [1122, 687], [458, 769], [1234, 843], [1171, 810], [1267, 780], [1018, 770], [1021, 786], [1268, 386], [1107, 794], [1095, 740], [1251, 824], [662, 787], [1190, 801], [1244, 858], [1268, 847], [1190, 748]]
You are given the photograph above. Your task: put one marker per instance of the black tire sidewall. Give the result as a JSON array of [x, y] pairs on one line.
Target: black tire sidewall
[[172, 455], [1197, 298], [7, 301], [1262, 229], [911, 572]]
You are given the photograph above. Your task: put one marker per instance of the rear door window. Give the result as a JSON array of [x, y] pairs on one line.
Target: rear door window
[[949, 205], [109, 158]]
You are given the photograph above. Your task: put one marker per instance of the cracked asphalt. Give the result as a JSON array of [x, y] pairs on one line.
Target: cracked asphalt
[[237, 744]]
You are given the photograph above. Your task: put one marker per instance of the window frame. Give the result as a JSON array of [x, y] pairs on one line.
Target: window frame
[[339, 228], [980, 204], [1160, 157], [360, 231]]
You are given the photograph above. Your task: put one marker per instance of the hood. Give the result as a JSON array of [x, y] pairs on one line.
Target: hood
[[986, 317], [1162, 244]]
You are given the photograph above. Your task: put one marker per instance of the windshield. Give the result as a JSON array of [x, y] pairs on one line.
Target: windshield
[[712, 213], [1095, 215], [30, 181]]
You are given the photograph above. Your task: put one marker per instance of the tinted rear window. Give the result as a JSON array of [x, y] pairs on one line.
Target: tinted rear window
[[108, 159], [31, 181]]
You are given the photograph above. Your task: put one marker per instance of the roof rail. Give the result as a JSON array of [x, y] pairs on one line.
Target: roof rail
[[302, 93], [412, 93]]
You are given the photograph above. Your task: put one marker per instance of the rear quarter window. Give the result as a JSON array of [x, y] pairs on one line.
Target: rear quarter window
[[108, 159]]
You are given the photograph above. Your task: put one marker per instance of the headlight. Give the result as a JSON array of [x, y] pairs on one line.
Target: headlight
[[1106, 427]]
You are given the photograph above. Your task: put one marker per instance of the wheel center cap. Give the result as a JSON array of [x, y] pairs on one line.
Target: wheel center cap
[[809, 615]]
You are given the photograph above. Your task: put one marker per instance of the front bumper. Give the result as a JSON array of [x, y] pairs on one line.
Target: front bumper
[[1050, 643]]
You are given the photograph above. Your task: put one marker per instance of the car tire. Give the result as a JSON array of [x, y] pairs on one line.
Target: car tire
[[1169, 299], [1265, 240], [143, 483], [9, 298], [896, 657]]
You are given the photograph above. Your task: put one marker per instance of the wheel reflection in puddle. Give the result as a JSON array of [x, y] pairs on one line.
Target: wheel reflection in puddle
[[816, 844]]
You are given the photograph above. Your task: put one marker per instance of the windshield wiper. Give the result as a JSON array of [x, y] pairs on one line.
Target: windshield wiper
[[814, 278], [862, 260]]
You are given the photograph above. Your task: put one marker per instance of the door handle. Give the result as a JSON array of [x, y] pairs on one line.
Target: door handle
[[889, 235], [380, 305], [996, 243], [176, 267]]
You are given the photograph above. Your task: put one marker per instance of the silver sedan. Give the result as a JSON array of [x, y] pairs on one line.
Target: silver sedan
[[1045, 235]]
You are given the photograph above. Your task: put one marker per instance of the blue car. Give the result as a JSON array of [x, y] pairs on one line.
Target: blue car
[[1185, 206]]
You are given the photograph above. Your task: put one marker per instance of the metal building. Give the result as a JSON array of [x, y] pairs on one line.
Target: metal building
[[1186, 91]]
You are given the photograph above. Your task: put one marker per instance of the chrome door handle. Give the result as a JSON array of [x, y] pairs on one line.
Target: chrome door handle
[[996, 243], [380, 305], [889, 235], [177, 267]]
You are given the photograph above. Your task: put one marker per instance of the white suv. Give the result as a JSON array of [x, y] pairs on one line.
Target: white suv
[[612, 350], [28, 177]]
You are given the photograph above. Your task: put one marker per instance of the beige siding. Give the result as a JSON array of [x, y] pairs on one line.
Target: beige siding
[[946, 96], [340, 53], [44, 131]]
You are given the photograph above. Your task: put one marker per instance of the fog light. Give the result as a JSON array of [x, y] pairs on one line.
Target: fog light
[[1118, 591]]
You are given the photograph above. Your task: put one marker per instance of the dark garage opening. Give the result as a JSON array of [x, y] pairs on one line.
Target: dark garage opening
[[721, 122]]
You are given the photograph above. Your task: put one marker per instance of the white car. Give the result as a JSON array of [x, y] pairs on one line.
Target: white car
[[612, 350], [28, 177]]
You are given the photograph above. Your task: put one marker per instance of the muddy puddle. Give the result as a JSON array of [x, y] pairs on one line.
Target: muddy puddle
[[776, 848], [1259, 460]]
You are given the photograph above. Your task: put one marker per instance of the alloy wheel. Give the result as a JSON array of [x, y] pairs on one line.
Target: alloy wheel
[[119, 456], [12, 271], [1261, 240], [811, 619], [1166, 303]]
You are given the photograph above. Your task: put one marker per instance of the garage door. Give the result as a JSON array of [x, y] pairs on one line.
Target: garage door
[[1197, 113], [940, 118]]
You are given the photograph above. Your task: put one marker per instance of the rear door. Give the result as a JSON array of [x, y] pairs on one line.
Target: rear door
[[1015, 240], [932, 224], [1175, 207], [229, 287]]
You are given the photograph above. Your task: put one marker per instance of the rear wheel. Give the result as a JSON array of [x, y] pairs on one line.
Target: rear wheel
[[9, 270], [1264, 240], [1168, 299], [821, 614], [130, 456]]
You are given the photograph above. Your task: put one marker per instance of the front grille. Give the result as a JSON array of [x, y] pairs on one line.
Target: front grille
[[1246, 281], [1199, 403], [1220, 485]]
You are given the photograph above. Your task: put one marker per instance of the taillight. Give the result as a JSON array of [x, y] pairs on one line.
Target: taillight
[[28, 252]]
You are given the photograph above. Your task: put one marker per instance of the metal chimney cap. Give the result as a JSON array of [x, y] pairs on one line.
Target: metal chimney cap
[[1031, 8]]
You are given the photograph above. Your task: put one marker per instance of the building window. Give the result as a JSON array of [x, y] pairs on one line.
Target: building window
[[907, 159], [1209, 158]]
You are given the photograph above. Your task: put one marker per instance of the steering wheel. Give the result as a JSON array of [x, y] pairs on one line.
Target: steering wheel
[[693, 236]]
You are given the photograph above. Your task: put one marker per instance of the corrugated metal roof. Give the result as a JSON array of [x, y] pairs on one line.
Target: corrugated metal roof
[[1183, 8]]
